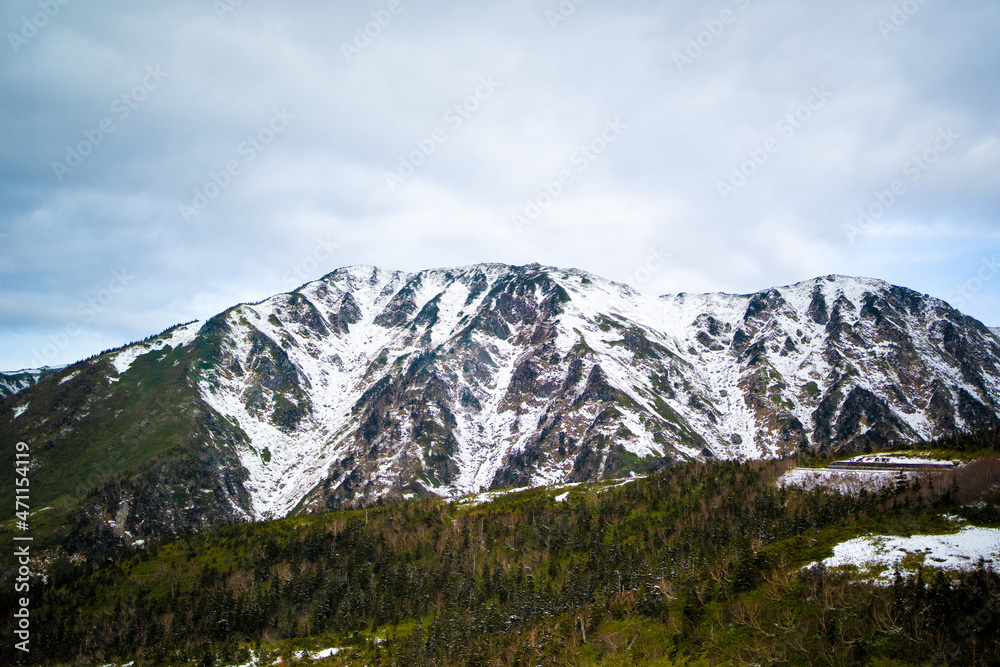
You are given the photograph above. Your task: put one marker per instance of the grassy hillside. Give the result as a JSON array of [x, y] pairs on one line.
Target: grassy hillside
[[695, 563], [139, 447]]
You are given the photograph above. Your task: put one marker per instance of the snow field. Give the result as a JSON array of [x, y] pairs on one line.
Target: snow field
[[878, 555]]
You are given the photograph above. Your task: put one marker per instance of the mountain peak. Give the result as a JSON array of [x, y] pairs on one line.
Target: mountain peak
[[370, 383]]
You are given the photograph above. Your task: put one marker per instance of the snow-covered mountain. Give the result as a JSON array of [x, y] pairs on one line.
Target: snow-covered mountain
[[371, 383], [16, 381]]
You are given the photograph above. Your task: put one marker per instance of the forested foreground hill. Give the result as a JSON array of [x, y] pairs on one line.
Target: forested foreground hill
[[701, 562]]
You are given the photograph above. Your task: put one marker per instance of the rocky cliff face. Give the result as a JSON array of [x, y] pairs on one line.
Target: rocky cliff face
[[372, 383]]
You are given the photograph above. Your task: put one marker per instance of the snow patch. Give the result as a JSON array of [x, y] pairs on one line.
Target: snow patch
[[961, 551], [325, 653], [176, 337], [69, 377]]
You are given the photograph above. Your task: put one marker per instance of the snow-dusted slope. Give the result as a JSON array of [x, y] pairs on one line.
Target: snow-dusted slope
[[17, 381], [371, 382]]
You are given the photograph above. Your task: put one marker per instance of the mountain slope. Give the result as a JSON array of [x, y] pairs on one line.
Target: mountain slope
[[455, 381], [371, 383], [704, 560], [17, 381]]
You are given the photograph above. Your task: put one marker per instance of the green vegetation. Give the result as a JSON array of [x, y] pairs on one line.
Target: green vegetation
[[83, 457], [138, 437], [581, 346], [778, 399], [605, 323], [696, 564]]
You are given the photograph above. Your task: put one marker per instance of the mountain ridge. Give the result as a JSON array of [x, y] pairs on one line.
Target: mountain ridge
[[13, 382], [370, 383]]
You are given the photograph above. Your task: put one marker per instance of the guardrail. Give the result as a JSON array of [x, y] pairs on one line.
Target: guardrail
[[893, 467]]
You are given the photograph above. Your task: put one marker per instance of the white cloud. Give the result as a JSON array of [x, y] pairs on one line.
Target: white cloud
[[325, 175]]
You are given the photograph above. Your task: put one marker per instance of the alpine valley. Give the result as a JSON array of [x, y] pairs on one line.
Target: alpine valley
[[371, 384]]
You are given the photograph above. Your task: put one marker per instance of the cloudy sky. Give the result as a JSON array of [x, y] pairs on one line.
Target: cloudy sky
[[163, 161]]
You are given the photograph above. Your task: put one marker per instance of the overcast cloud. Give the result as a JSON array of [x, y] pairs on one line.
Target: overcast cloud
[[163, 161]]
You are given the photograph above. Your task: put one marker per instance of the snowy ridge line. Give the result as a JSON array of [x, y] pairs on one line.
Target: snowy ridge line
[[456, 372], [14, 382], [174, 337]]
